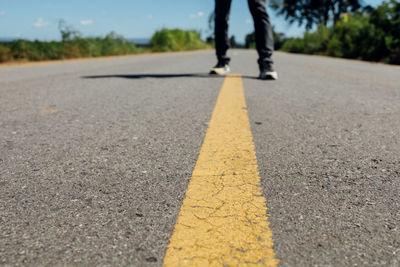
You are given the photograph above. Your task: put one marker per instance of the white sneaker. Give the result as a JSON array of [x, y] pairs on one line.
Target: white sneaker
[[220, 69], [267, 72], [268, 75]]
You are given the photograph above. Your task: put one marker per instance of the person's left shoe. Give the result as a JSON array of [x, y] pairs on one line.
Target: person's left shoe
[[220, 69], [268, 73]]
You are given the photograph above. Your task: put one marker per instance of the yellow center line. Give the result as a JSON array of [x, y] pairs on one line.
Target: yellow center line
[[49, 111], [223, 219]]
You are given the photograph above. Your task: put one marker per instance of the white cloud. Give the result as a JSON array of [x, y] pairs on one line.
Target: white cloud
[[2, 13], [87, 22], [249, 21], [40, 22], [149, 17], [197, 15]]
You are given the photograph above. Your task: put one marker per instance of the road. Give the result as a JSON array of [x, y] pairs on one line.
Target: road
[[96, 157]]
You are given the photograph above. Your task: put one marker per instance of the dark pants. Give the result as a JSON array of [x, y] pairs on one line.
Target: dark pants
[[263, 30]]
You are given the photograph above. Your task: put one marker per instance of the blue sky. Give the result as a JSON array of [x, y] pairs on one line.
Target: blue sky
[[38, 19]]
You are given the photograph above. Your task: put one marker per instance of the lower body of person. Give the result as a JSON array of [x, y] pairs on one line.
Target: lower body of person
[[263, 36]]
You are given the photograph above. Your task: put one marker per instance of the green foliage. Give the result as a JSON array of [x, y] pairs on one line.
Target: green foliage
[[5, 53], [250, 40], [74, 46], [356, 38], [316, 43], [314, 12], [373, 36], [112, 44], [386, 19], [166, 40], [67, 32], [294, 45], [232, 42], [279, 39], [311, 43], [71, 46]]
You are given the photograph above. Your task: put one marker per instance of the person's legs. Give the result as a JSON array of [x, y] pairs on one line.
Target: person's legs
[[263, 33], [222, 9]]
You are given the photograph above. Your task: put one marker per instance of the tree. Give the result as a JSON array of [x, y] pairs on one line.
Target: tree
[[250, 41], [386, 17], [372, 34], [68, 32], [232, 42], [314, 12], [279, 39]]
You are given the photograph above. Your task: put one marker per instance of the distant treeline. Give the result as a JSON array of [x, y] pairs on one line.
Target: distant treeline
[[73, 45], [22, 50], [365, 33], [372, 35]]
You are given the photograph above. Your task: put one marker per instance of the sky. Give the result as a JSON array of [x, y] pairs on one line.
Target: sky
[[38, 19]]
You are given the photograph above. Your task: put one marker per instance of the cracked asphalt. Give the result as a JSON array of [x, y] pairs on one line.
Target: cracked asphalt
[[96, 156]]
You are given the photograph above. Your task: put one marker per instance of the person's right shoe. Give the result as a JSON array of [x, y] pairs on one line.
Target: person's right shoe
[[220, 69], [268, 73]]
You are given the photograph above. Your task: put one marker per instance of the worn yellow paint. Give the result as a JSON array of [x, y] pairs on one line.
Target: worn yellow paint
[[223, 218], [49, 111]]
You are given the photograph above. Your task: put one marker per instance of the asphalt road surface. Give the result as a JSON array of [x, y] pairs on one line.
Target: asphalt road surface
[[96, 156]]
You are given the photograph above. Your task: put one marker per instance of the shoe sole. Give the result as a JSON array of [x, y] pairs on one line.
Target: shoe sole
[[219, 71], [269, 76]]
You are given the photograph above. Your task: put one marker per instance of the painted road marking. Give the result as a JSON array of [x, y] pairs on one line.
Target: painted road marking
[[49, 111], [223, 219]]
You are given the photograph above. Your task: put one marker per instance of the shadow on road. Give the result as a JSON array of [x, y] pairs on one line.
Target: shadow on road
[[161, 76]]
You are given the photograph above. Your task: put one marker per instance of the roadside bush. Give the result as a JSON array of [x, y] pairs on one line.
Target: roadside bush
[[373, 36], [74, 46], [5, 53], [293, 45], [112, 44], [356, 38], [386, 18], [279, 40], [176, 40], [317, 42], [19, 49], [71, 50]]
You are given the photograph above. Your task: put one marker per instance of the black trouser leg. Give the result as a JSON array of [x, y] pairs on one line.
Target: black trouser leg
[[263, 32], [222, 9]]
